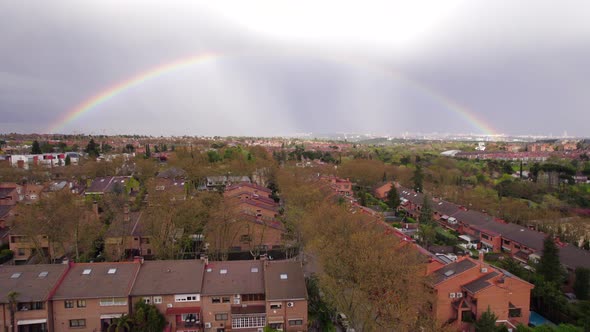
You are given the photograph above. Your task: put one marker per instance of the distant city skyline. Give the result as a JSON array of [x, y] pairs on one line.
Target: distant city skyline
[[230, 69]]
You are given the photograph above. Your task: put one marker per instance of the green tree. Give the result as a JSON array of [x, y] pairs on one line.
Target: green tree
[[147, 151], [129, 148], [147, 318], [36, 148], [549, 266], [213, 156], [425, 211], [487, 322], [582, 283], [393, 200], [426, 234], [68, 160], [362, 198], [418, 179], [12, 306], [92, 149], [121, 324]]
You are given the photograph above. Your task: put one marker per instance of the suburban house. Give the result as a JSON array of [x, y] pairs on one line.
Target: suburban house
[[247, 232], [381, 191], [217, 182], [33, 286], [233, 296], [24, 247], [258, 208], [108, 184], [10, 193], [124, 238], [248, 295], [175, 188], [247, 190], [465, 289], [341, 186], [174, 287], [286, 296], [92, 295]]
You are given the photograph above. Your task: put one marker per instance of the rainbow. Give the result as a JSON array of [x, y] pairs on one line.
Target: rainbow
[[164, 69], [115, 90]]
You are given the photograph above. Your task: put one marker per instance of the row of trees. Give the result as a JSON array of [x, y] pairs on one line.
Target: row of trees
[[378, 283]]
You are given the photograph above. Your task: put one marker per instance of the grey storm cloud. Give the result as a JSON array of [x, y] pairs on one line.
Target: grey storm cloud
[[290, 67]]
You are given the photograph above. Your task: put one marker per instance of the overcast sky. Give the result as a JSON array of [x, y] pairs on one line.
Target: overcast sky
[[287, 67]]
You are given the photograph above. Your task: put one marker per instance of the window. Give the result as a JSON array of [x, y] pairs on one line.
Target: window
[[86, 271], [215, 300], [187, 298], [190, 318], [147, 300], [221, 316], [157, 299], [77, 322], [112, 271], [245, 238], [484, 236], [253, 297], [21, 251], [145, 240], [43, 274], [68, 304], [15, 275], [113, 301], [276, 305], [467, 316], [248, 321], [37, 306], [254, 270], [223, 271], [514, 312], [295, 322], [284, 276], [276, 326], [225, 299], [81, 303]]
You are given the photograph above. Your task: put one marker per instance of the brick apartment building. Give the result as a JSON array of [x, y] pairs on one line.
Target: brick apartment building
[[492, 234], [193, 295], [92, 295], [175, 288], [34, 286], [465, 289]]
